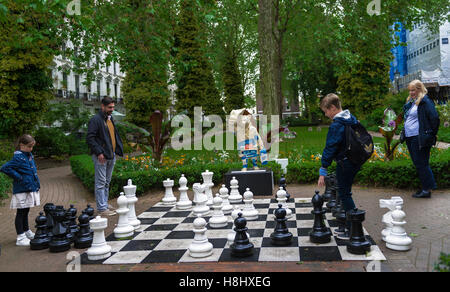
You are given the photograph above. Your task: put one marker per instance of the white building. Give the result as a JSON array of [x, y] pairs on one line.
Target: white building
[[68, 84], [428, 59]]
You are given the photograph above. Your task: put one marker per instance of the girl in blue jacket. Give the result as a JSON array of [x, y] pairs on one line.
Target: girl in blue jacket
[[421, 127], [26, 185]]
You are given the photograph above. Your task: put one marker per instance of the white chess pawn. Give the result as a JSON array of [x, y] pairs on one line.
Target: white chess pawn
[[232, 234], [218, 219], [234, 197], [249, 211], [200, 200], [130, 193], [184, 202], [123, 229], [207, 182], [169, 199], [398, 239], [387, 218], [99, 249], [282, 198], [200, 246], [227, 208]]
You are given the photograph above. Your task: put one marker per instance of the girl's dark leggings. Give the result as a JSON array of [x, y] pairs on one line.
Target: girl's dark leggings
[[22, 220]]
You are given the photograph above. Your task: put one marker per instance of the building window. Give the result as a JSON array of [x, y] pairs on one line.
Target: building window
[[115, 90], [114, 64], [107, 88], [77, 86], [65, 82], [98, 88]]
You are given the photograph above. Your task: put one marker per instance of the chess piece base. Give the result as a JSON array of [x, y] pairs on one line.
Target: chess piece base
[[282, 239], [80, 244], [39, 243], [320, 236], [201, 250], [241, 251], [357, 247], [59, 246]]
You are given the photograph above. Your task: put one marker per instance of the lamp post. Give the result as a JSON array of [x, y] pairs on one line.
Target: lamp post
[[397, 80]]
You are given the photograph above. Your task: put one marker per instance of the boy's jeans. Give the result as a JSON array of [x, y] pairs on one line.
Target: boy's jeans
[[345, 174], [103, 173]]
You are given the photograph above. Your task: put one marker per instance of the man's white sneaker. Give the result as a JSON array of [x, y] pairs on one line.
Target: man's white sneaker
[[29, 234], [22, 240]]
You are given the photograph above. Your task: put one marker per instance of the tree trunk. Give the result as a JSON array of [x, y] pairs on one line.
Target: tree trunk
[[266, 55]]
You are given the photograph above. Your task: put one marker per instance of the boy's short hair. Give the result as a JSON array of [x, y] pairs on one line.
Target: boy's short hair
[[329, 100]]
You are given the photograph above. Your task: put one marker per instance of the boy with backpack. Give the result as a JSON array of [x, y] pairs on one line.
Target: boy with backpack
[[350, 145]]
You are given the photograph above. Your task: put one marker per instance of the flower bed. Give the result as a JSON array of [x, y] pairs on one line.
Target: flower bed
[[146, 176]]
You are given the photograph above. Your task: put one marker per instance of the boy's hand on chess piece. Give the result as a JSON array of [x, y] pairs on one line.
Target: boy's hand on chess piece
[[321, 182]]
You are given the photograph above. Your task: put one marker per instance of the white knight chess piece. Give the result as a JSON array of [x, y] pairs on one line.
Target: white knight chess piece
[[387, 218]]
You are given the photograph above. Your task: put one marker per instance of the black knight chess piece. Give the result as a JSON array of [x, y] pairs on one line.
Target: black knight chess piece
[[358, 244], [59, 241], [241, 247], [49, 208], [84, 236], [41, 239], [319, 233], [281, 236]]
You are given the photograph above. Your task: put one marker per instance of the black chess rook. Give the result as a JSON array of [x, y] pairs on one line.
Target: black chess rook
[[358, 244]]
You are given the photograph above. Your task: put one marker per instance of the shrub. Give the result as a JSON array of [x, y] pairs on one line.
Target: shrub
[[50, 141], [5, 184]]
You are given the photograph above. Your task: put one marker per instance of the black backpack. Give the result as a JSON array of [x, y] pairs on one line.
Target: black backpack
[[358, 144]]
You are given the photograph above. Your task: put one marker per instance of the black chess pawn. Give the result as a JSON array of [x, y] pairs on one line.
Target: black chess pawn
[[241, 247], [337, 208], [281, 236], [327, 194], [358, 244], [282, 184], [49, 208], [59, 241], [84, 236], [73, 220], [90, 212], [41, 239], [333, 190], [319, 233]]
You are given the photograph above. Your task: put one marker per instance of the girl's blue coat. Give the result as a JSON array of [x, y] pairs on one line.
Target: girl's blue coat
[[22, 169]]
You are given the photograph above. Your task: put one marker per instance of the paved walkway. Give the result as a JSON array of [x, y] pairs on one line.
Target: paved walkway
[[427, 218]]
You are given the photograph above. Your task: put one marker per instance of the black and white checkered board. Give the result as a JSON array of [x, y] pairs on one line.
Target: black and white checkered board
[[166, 233]]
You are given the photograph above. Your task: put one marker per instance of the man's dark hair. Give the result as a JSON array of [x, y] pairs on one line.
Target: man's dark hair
[[107, 100]]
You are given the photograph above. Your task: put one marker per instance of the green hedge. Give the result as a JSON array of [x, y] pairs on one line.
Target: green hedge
[[5, 185], [395, 174], [83, 168]]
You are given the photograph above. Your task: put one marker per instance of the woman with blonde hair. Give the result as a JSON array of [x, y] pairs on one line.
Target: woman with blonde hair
[[420, 130]]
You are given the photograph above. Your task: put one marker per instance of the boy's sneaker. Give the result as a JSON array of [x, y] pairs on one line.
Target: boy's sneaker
[[106, 212], [22, 240], [344, 236], [29, 234]]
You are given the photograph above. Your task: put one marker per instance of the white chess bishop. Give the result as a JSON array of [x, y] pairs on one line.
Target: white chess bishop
[[282, 198], [398, 239], [227, 208], [208, 183], [169, 199], [218, 219], [200, 246], [183, 203], [387, 218], [130, 193], [123, 229], [235, 196], [99, 249], [200, 200], [249, 211]]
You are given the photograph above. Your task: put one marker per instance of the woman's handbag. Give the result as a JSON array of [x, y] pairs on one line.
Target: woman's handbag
[[402, 136]]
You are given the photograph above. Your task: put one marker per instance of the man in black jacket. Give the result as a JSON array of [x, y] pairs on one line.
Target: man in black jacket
[[105, 143]]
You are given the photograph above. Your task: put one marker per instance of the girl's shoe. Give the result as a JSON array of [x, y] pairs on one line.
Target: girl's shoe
[[22, 240], [29, 234]]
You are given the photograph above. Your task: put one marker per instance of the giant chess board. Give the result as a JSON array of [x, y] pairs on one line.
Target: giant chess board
[[166, 233]]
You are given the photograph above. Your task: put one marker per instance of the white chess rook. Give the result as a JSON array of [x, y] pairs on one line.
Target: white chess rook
[[249, 211], [398, 239], [208, 183], [227, 208], [200, 246], [282, 198], [184, 202], [234, 197], [387, 218], [218, 219], [169, 199], [130, 193], [99, 249], [200, 200], [123, 229]]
